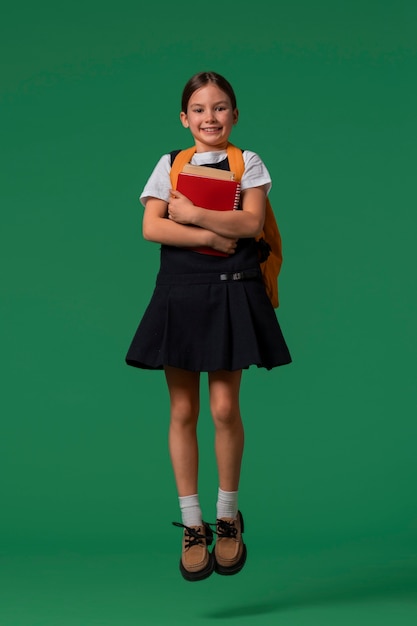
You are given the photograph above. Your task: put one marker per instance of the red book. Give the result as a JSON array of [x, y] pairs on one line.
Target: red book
[[216, 194]]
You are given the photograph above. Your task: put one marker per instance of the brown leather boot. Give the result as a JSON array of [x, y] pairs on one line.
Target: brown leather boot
[[196, 562], [230, 551]]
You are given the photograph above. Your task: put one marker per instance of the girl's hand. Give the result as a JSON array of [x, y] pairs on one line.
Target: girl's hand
[[180, 208], [222, 244]]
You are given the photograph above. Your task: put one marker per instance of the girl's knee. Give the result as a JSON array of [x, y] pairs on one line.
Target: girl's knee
[[184, 393], [224, 397], [184, 413], [225, 413]]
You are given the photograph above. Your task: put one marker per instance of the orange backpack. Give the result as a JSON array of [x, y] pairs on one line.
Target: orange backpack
[[270, 244]]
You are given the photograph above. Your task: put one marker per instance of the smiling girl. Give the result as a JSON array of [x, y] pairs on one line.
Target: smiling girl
[[201, 319]]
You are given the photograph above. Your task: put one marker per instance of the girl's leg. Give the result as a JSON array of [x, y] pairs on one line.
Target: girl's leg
[[196, 562], [230, 550], [184, 392], [224, 387]]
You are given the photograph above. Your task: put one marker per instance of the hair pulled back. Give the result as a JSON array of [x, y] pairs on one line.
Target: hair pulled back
[[201, 80]]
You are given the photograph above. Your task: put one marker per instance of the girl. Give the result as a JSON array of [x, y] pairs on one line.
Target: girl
[[208, 313]]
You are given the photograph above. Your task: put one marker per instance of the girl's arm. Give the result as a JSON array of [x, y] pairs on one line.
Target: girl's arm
[[245, 223], [156, 227]]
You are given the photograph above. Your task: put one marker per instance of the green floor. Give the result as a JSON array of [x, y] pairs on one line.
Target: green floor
[[362, 583]]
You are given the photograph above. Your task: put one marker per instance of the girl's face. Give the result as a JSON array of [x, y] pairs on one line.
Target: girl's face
[[210, 118]]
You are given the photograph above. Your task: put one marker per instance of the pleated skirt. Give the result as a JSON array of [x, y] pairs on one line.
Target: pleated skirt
[[209, 313]]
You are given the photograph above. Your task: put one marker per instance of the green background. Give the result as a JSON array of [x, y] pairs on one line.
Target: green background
[[90, 97]]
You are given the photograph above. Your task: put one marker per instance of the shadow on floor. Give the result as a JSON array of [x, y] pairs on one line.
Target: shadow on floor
[[386, 583]]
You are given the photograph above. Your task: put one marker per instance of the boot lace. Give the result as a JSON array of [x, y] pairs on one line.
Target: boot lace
[[225, 529], [192, 535]]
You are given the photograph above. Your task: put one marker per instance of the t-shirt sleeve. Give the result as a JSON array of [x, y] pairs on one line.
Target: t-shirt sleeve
[[256, 173], [159, 182]]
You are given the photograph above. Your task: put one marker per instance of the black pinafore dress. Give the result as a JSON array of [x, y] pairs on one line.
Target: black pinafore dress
[[209, 313]]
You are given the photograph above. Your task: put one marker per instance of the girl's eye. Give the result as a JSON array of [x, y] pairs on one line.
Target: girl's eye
[[220, 108]]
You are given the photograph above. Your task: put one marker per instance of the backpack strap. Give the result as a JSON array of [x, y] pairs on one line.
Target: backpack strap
[[270, 233], [236, 162], [183, 157]]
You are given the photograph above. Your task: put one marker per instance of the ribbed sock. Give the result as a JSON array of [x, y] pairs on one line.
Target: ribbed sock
[[227, 503], [190, 510]]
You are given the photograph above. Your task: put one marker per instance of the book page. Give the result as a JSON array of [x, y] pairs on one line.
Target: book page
[[209, 172]]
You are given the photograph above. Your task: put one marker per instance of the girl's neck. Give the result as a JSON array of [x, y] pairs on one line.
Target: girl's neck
[[213, 150], [202, 147]]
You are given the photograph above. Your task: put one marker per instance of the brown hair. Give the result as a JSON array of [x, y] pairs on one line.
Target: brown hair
[[200, 80]]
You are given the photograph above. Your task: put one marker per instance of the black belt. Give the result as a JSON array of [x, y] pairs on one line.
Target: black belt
[[207, 277]]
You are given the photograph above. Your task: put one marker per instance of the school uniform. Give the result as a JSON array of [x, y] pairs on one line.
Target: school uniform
[[208, 312]]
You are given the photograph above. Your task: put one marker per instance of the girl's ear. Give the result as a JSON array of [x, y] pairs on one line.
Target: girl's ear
[[184, 119], [235, 116]]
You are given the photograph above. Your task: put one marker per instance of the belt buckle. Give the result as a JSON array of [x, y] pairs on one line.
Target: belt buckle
[[237, 275]]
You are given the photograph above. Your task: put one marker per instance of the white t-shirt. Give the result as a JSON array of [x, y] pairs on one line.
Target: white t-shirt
[[159, 183]]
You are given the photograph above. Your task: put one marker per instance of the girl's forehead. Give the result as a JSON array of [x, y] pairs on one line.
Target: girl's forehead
[[208, 92]]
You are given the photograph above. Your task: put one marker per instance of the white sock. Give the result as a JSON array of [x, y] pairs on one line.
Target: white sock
[[190, 510], [227, 504]]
